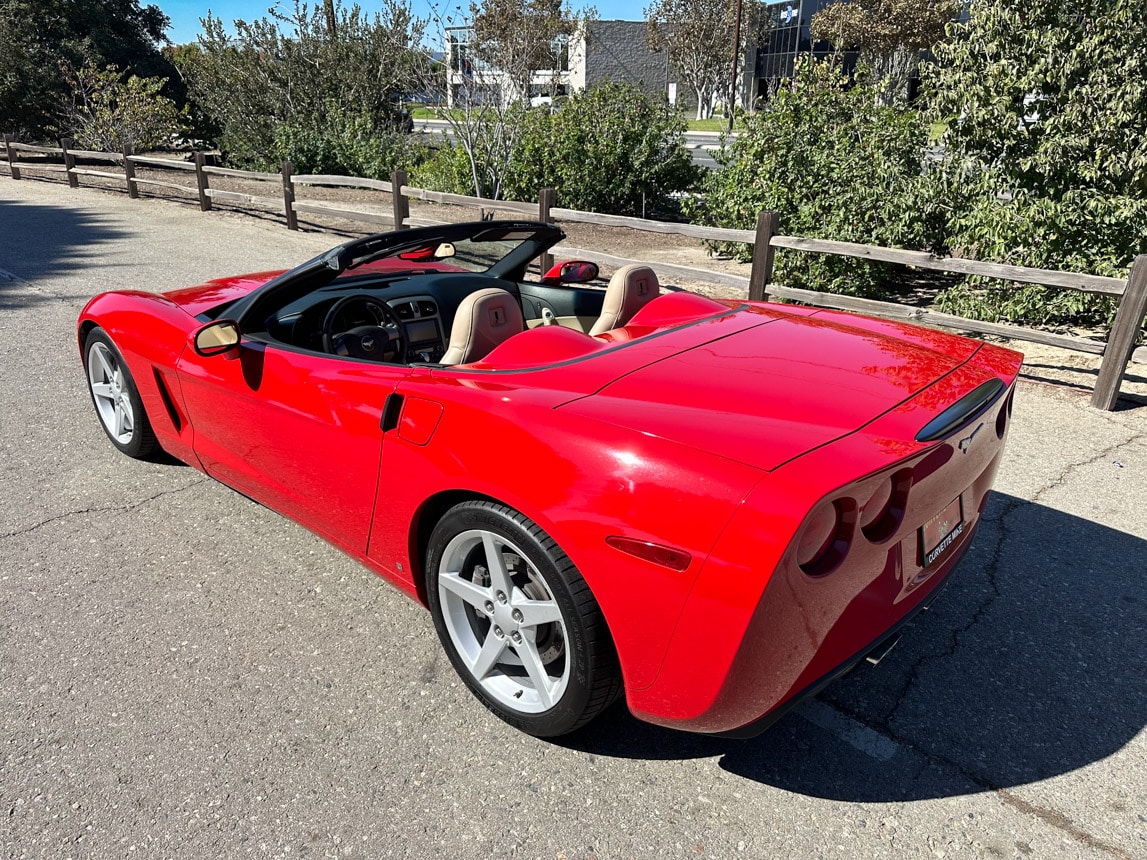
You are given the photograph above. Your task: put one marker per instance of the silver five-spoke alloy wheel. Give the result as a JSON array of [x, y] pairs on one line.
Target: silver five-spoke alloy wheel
[[116, 397], [110, 394], [503, 621], [517, 619]]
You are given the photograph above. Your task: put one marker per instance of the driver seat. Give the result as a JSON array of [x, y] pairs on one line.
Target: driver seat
[[630, 289], [483, 320]]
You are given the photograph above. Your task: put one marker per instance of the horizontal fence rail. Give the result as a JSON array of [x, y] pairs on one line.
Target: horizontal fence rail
[[1115, 353]]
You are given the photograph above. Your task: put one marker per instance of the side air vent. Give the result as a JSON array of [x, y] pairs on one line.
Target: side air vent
[[168, 403]]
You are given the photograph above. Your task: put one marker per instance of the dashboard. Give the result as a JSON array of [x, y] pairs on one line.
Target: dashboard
[[421, 307]]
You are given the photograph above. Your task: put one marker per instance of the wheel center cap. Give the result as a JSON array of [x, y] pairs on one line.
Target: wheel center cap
[[504, 618]]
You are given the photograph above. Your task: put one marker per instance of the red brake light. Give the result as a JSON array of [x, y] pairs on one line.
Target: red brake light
[[882, 514], [826, 536]]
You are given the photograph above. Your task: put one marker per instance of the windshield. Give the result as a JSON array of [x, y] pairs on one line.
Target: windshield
[[479, 252]]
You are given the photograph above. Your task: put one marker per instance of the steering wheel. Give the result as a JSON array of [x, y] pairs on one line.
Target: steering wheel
[[361, 326]]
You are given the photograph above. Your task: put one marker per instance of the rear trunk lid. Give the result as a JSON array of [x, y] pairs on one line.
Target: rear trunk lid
[[770, 393]]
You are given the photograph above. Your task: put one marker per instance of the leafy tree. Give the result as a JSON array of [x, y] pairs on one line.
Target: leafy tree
[[41, 41], [517, 37], [1046, 112], [612, 149], [288, 68], [510, 43], [111, 110], [698, 35], [890, 34], [836, 165]]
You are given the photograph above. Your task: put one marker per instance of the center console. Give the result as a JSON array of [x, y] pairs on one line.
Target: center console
[[422, 327]]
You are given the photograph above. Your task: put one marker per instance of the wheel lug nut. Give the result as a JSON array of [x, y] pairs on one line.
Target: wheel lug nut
[[517, 637], [517, 615], [498, 632], [501, 597], [488, 606]]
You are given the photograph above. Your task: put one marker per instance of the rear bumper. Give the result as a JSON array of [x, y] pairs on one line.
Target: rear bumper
[[880, 647]]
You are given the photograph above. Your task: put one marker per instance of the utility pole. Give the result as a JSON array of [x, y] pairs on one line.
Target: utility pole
[[736, 64]]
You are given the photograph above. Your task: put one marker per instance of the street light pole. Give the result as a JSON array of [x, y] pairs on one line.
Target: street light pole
[[736, 63]]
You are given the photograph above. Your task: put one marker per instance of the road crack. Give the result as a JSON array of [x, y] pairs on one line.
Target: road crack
[[1071, 468], [106, 510]]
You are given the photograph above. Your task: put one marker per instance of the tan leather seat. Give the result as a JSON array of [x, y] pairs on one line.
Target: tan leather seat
[[630, 288], [484, 320]]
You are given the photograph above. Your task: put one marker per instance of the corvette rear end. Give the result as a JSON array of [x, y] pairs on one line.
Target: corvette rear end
[[838, 546]]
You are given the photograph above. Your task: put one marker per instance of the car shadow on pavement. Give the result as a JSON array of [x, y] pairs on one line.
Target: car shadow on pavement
[[46, 241], [1032, 664]]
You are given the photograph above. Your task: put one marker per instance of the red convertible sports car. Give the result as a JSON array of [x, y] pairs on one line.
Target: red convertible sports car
[[713, 507]]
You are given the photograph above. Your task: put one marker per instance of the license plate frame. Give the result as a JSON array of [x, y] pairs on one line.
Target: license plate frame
[[939, 534]]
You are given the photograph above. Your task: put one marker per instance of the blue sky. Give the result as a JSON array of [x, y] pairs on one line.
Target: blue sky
[[185, 14]]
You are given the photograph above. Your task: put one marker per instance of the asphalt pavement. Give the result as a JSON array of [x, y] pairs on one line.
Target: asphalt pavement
[[186, 674]]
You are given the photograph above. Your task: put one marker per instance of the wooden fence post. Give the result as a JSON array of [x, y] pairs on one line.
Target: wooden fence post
[[129, 172], [399, 200], [201, 182], [289, 196], [11, 157], [545, 203], [763, 255], [1121, 340], [69, 162]]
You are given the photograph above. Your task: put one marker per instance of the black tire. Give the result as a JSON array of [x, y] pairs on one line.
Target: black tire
[[116, 398], [575, 652]]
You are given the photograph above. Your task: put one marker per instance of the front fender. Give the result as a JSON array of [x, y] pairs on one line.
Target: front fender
[[151, 333]]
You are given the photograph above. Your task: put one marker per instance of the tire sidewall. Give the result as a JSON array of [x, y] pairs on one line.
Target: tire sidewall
[[567, 713], [139, 433]]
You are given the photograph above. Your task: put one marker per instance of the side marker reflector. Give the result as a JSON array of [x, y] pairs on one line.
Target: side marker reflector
[[665, 556]]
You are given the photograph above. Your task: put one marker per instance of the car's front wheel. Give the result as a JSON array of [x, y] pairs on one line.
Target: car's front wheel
[[518, 621], [116, 397]]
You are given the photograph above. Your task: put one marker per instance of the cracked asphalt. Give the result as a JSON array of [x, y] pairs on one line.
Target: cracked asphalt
[[185, 674]]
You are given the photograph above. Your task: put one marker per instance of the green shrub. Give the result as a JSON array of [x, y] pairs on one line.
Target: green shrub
[[343, 142], [835, 165], [612, 149], [446, 169], [1045, 106], [110, 110]]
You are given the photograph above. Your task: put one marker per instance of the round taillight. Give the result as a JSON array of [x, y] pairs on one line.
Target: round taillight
[[876, 506], [825, 537], [1004, 415], [882, 514]]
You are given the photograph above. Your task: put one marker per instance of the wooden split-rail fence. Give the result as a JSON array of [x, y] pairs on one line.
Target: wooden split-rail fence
[[1116, 352]]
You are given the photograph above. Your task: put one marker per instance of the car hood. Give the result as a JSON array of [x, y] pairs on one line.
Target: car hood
[[769, 393], [200, 299]]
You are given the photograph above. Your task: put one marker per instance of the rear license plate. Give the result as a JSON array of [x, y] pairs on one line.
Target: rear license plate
[[941, 532]]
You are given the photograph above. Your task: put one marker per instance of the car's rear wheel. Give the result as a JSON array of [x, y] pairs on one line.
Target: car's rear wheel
[[518, 621], [116, 397]]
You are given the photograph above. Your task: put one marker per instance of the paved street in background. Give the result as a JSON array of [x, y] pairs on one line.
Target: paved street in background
[[701, 144], [186, 674]]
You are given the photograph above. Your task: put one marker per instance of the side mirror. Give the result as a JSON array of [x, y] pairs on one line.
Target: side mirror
[[571, 272], [217, 337]]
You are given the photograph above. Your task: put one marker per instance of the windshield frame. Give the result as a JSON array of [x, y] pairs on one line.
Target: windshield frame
[[251, 311]]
